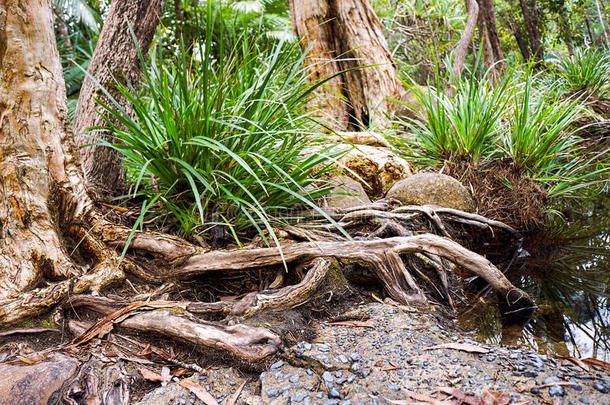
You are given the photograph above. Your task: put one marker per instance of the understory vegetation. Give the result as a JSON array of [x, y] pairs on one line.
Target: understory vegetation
[[220, 137], [517, 142]]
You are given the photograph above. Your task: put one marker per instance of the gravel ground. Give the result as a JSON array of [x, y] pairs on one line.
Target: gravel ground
[[392, 361]]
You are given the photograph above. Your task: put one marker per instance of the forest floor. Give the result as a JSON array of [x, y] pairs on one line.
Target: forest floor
[[344, 349], [384, 354]]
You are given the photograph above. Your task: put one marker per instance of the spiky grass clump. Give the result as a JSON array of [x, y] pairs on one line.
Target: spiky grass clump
[[223, 142], [587, 71], [515, 129], [464, 125]]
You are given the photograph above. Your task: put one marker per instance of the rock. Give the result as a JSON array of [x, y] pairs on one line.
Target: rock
[[432, 188], [34, 384], [377, 167]]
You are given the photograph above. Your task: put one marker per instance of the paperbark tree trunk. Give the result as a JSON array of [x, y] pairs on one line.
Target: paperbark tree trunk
[[115, 58], [42, 189], [346, 36]]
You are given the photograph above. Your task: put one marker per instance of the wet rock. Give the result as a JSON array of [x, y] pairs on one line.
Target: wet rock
[[432, 188], [34, 384]]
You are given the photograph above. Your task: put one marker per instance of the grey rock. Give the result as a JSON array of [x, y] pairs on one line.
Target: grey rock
[[432, 188]]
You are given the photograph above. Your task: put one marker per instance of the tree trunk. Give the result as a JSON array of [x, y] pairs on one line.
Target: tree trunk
[[115, 57], [461, 49], [488, 15], [516, 30], [601, 23], [347, 35], [530, 16], [43, 191], [566, 30]]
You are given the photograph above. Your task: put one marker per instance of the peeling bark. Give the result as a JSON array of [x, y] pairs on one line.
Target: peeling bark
[[345, 36], [115, 58]]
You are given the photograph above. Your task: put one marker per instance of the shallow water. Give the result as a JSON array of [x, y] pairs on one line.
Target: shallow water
[[568, 273]]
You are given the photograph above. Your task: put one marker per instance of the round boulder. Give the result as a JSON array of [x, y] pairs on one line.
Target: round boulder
[[432, 188]]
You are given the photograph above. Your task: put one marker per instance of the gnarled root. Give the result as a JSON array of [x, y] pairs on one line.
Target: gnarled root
[[244, 342]]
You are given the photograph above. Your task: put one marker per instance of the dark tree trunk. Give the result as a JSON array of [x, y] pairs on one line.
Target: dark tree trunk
[[347, 34], [566, 29], [488, 14], [518, 34], [530, 16], [115, 57]]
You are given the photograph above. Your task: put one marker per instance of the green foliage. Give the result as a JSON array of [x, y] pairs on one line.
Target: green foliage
[[464, 125], [223, 142], [588, 71], [518, 118]]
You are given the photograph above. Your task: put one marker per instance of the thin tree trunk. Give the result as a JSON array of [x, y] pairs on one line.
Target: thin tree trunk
[[566, 30], [530, 16], [488, 12], [588, 24], [347, 35], [115, 58], [516, 30], [461, 49], [601, 22]]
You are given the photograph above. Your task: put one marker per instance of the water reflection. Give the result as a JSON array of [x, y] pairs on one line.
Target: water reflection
[[568, 273]]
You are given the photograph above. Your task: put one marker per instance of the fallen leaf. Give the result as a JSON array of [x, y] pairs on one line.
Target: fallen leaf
[[357, 324], [146, 352], [466, 347], [576, 361], [181, 372], [232, 400], [462, 396], [149, 375], [199, 392], [597, 363], [495, 398]]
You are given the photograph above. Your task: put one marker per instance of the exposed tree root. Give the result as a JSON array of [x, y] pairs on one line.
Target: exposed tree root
[[243, 342], [170, 258]]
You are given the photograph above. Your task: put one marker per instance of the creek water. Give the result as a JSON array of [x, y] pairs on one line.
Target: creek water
[[568, 273]]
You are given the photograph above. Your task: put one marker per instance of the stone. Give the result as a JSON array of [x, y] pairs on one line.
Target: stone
[[377, 167], [346, 193], [34, 384], [434, 189]]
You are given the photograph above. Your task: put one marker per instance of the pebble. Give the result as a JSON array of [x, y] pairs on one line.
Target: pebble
[[326, 376], [298, 396], [556, 391], [334, 393], [601, 388], [355, 357], [394, 387], [294, 378], [274, 366]]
